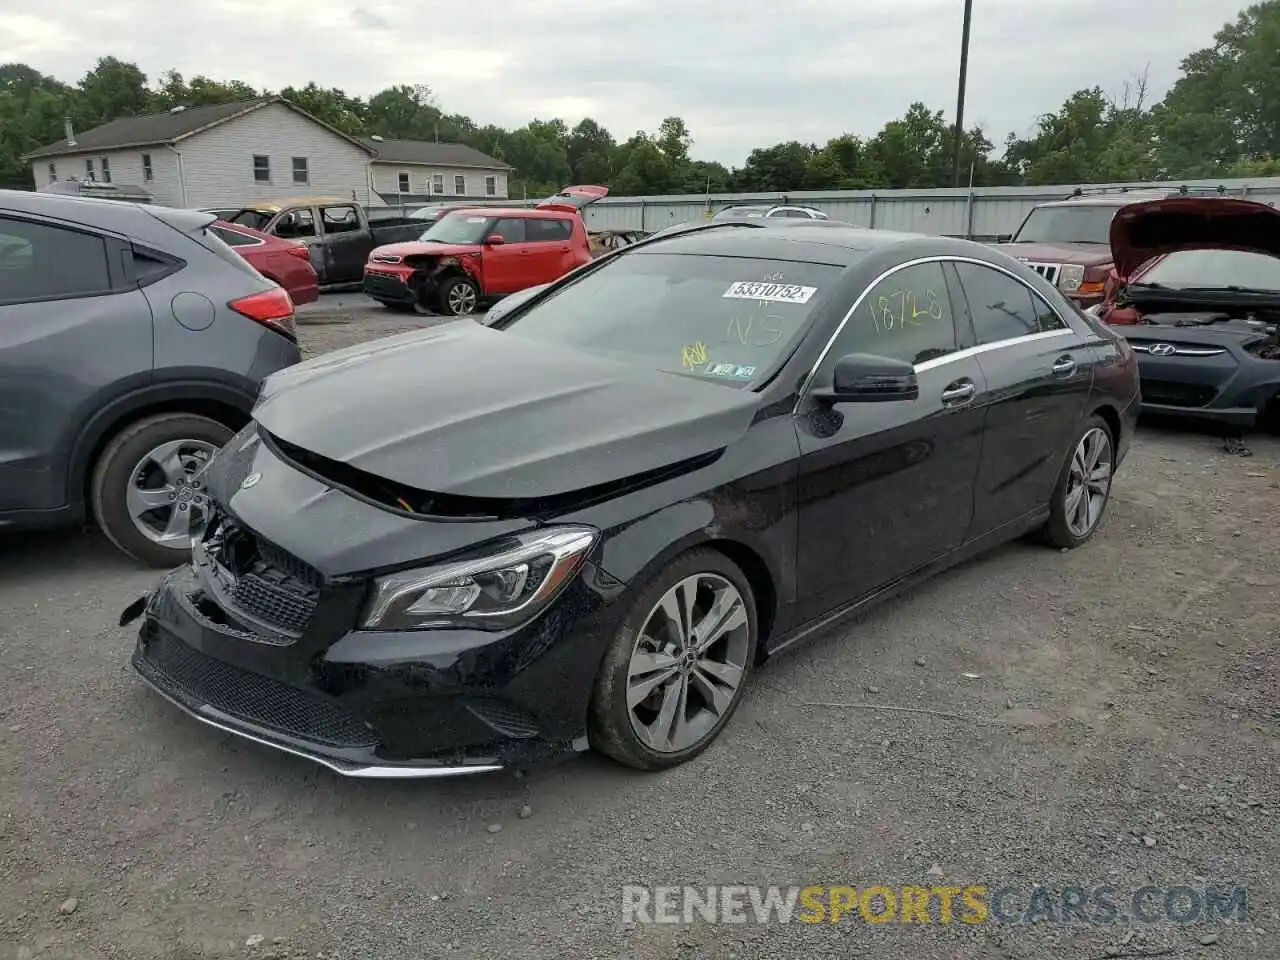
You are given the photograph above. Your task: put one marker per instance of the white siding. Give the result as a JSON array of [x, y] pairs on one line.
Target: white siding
[[126, 168], [386, 179], [218, 163]]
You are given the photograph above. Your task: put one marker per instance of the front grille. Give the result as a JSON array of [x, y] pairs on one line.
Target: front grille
[[385, 258], [248, 696], [387, 287], [1173, 394], [508, 720], [1049, 271], [263, 581]]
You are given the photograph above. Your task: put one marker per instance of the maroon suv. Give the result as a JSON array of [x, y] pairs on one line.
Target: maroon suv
[[1068, 241]]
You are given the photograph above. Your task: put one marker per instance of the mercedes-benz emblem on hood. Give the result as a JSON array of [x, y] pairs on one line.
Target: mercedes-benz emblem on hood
[[250, 480], [1163, 350]]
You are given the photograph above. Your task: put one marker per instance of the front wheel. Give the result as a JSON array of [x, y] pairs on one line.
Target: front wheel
[[459, 297], [148, 486], [677, 668], [1084, 487]]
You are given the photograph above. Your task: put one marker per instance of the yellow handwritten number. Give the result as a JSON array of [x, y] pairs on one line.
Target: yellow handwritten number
[[693, 355]]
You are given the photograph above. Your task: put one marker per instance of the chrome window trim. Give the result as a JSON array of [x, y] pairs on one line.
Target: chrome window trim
[[950, 357]]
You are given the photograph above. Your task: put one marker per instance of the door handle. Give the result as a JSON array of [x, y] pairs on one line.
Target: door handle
[[960, 392], [1064, 367]]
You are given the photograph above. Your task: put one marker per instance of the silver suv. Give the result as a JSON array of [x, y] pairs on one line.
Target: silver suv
[[132, 345]]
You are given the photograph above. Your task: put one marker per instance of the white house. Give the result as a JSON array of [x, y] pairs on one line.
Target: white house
[[226, 154]]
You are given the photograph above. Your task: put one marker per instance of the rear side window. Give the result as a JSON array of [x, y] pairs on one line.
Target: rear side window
[[547, 230], [233, 238], [43, 262], [1002, 307]]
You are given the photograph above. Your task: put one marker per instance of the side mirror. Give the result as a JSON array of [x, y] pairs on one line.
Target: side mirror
[[866, 378], [494, 240]]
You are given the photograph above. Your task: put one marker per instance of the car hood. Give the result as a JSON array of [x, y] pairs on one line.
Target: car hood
[[1142, 231], [1220, 334], [395, 252], [1085, 254], [463, 410]]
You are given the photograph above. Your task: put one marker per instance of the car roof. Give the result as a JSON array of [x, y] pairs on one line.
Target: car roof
[[826, 242], [516, 212]]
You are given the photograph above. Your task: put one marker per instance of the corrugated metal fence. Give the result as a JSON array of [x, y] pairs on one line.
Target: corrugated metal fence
[[985, 213]]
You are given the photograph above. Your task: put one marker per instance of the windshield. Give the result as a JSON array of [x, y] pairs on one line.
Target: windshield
[[726, 319], [457, 228], [254, 219], [1210, 269], [1065, 224]]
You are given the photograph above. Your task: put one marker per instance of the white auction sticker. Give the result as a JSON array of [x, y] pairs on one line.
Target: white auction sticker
[[769, 292]]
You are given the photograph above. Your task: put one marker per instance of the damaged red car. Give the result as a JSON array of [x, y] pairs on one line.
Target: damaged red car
[[1196, 293], [475, 256]]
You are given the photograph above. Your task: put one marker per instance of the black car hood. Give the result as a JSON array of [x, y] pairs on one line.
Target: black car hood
[[466, 411], [1223, 333]]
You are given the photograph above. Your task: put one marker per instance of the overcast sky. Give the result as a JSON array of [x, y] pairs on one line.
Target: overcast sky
[[742, 74]]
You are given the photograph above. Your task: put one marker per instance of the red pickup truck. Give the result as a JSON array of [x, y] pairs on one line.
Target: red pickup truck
[[474, 256]]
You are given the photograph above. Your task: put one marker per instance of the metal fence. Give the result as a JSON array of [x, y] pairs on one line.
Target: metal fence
[[984, 213]]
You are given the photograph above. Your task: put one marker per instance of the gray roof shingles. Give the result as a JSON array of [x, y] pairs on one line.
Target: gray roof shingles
[[433, 154], [162, 128]]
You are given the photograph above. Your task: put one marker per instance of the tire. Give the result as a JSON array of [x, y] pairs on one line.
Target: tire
[[612, 725], [124, 461], [458, 297], [1065, 529]]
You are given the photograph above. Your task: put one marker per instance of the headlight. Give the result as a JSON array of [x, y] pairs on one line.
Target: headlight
[[504, 588], [1070, 277]]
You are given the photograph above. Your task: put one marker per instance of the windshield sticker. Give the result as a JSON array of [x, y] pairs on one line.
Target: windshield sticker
[[731, 370], [768, 292], [693, 355], [476, 219]]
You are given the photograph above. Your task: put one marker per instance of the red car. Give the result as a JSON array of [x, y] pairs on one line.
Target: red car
[[478, 255], [284, 262]]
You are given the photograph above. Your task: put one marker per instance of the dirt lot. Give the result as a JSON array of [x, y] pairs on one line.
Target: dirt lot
[[1119, 728]]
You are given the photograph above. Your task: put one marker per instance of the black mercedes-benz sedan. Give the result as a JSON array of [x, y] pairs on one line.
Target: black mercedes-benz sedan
[[457, 549]]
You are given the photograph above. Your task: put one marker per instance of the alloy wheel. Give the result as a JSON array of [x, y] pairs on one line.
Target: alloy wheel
[[166, 498], [462, 299], [1088, 482], [688, 662]]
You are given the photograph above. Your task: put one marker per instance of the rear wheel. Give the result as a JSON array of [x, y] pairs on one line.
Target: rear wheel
[[459, 297], [148, 488], [676, 670], [1084, 487]]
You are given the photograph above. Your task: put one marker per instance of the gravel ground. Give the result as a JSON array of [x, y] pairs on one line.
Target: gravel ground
[[1120, 728]]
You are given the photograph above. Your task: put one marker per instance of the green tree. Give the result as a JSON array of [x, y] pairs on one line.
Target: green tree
[[113, 89]]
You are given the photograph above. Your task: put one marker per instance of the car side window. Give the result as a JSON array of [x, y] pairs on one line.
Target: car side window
[[339, 219], [233, 238], [906, 316], [296, 224], [1002, 307], [41, 262], [511, 229], [547, 230]]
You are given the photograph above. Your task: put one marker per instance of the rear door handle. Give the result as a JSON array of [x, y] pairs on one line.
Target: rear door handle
[[958, 393], [1064, 366]]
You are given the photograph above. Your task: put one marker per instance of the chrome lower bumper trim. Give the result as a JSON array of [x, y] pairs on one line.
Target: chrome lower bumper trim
[[214, 718]]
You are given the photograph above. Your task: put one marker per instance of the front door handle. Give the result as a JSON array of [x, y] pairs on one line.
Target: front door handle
[[958, 393], [1064, 366]]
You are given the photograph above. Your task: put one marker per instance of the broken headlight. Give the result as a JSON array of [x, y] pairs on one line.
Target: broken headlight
[[499, 590], [1070, 277]]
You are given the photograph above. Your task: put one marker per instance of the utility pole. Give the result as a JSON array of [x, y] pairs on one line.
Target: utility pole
[[964, 76]]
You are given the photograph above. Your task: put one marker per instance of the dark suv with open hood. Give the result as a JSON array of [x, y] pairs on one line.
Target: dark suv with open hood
[[1068, 241]]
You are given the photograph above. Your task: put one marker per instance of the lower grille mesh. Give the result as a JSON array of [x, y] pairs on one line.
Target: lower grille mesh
[[249, 696]]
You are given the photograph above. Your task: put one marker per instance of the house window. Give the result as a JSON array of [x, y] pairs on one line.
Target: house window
[[460, 186], [261, 168], [404, 183], [490, 186], [53, 173], [106, 170], [88, 170], [300, 174], [147, 175], [437, 183]]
